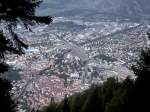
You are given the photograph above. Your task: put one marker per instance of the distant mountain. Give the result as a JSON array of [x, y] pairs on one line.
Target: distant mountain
[[127, 8]]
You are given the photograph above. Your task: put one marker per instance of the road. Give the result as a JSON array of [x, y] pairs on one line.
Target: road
[[76, 50], [109, 35]]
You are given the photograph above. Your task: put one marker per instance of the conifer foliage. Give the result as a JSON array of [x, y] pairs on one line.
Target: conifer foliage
[[13, 12]]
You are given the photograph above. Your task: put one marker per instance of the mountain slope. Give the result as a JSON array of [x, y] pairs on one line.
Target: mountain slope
[[128, 8]]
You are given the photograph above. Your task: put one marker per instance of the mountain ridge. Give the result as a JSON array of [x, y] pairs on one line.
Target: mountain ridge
[[128, 8]]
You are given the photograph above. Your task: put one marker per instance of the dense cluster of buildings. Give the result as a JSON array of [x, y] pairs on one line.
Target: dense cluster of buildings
[[59, 64]]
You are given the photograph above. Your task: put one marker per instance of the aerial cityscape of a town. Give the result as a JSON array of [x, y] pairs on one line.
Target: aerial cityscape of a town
[[74, 55], [71, 54]]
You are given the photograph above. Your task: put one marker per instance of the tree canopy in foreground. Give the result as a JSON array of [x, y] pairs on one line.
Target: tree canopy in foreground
[[13, 12]]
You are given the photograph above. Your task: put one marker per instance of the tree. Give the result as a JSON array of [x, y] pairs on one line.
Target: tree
[[122, 100], [13, 12], [142, 71], [66, 106], [76, 103], [6, 103], [52, 108], [94, 101]]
